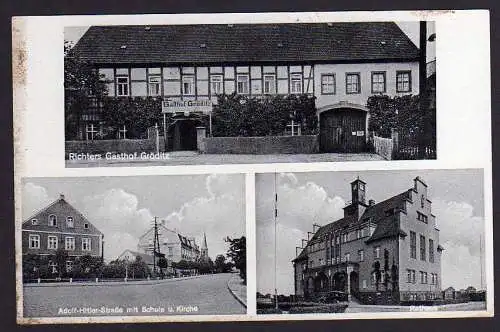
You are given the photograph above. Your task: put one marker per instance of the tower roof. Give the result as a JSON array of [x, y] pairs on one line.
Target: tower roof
[[204, 244]]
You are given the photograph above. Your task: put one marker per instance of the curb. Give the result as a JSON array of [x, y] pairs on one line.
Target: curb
[[238, 298]]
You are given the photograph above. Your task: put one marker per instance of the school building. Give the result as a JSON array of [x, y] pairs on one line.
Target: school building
[[188, 66]]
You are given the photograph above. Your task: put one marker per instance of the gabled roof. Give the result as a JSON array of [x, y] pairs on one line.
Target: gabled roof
[[52, 208], [244, 43], [146, 258]]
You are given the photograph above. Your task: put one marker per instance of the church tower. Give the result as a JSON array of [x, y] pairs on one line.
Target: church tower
[[204, 247]]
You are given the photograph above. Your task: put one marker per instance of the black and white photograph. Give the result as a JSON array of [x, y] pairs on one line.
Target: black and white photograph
[[370, 241], [141, 95], [131, 246]]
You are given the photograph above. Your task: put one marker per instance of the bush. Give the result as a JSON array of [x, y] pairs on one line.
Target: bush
[[237, 115], [331, 308]]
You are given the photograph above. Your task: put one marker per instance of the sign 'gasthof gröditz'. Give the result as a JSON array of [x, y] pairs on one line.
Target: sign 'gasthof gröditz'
[[189, 106]]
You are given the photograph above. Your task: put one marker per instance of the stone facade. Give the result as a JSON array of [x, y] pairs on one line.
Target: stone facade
[[391, 247]]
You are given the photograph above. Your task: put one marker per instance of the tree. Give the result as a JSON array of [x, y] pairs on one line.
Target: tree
[[83, 88], [138, 268], [238, 254], [386, 269], [376, 272], [220, 264], [61, 256]]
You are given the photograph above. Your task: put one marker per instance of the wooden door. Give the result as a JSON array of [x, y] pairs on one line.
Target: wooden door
[[343, 130]]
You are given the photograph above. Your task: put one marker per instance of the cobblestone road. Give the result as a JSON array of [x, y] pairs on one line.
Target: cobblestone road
[[202, 295]]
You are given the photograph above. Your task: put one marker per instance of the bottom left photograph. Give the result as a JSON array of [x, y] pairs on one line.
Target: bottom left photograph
[[132, 246]]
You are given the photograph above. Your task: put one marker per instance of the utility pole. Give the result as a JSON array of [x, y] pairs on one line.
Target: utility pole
[[275, 244], [481, 259], [156, 245]]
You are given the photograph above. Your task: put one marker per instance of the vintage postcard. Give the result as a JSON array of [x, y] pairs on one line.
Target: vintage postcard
[[263, 166]]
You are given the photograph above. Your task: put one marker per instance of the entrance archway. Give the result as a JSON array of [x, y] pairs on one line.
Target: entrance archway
[[309, 287], [339, 281], [182, 134], [343, 129], [354, 282], [321, 283]]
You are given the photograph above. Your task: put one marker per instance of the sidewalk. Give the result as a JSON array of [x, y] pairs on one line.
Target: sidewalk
[[110, 283], [357, 307], [194, 158], [238, 289]]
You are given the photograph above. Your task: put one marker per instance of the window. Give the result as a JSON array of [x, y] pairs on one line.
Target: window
[[347, 257], [154, 85], [52, 220], [431, 250], [122, 88], [86, 244], [422, 217], [425, 278], [69, 243], [216, 84], [188, 85], [413, 245], [422, 201], [337, 239], [408, 277], [86, 226], [422, 248], [403, 81], [242, 84], [328, 84], [34, 221], [364, 283], [345, 237], [69, 266], [90, 131], [296, 83], [359, 234], [34, 241], [421, 277], [361, 255], [378, 82], [413, 279], [69, 222], [376, 252], [52, 242], [170, 251], [269, 84], [293, 128], [352, 83]]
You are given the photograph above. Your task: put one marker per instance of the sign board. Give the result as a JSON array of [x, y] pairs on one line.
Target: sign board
[[187, 106]]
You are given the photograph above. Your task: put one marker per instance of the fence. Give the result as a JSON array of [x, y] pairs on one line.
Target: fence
[[405, 145]]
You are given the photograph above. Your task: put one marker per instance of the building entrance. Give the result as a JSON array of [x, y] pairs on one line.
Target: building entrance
[[342, 130]]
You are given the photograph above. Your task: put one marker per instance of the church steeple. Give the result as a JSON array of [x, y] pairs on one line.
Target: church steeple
[[204, 247]]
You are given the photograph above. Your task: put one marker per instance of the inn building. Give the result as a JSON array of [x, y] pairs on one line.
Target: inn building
[[61, 226], [385, 252], [340, 64]]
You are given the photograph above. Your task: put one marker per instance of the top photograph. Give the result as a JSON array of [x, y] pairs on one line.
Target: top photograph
[[210, 94]]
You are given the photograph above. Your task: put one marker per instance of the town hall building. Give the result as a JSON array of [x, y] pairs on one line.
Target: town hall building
[[188, 66], [385, 252]]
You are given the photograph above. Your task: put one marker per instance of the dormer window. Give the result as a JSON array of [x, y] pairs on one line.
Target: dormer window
[[34, 221], [86, 225], [69, 222], [422, 201], [52, 220]]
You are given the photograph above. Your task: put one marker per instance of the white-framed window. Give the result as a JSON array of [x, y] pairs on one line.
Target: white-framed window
[[352, 83], [69, 266], [328, 84], [53, 220], [90, 131], [364, 284], [377, 252], [69, 243], [215, 84], [242, 86], [293, 128], [188, 85], [154, 85], [361, 255], [86, 244], [52, 242], [122, 86], [403, 81], [269, 84], [70, 222], [34, 221], [34, 241], [296, 83], [378, 82]]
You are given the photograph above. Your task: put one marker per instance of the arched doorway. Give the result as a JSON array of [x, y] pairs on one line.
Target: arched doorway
[[339, 281], [342, 129], [321, 283], [354, 282], [182, 134], [309, 287]]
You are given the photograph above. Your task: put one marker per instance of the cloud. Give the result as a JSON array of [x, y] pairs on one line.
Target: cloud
[[34, 198]]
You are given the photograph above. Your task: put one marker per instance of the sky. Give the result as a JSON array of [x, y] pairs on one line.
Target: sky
[[305, 198], [411, 29], [123, 208]]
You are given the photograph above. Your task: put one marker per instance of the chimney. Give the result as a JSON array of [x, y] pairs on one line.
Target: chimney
[[61, 196], [316, 227], [371, 202]]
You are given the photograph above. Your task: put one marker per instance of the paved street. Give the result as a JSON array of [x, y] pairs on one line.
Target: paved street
[[194, 158], [469, 306], [201, 295]]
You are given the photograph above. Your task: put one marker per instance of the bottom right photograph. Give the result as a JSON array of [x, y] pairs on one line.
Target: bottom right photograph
[[371, 241]]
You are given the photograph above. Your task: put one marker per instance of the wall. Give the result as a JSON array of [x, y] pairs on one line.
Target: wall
[[114, 146], [383, 147], [409, 223], [365, 70], [262, 145]]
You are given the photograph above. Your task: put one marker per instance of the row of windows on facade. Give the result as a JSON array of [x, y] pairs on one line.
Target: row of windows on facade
[[343, 238], [423, 250], [336, 259], [52, 221], [269, 84], [69, 267], [411, 277], [53, 242]]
